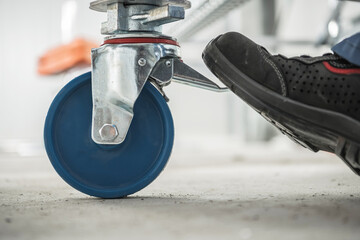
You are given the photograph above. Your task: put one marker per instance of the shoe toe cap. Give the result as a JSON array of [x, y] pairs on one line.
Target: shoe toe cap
[[250, 58]]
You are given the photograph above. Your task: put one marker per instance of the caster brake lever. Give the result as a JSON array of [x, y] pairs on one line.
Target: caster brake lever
[[167, 70]]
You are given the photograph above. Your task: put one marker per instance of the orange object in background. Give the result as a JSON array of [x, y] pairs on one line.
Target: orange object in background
[[65, 57]]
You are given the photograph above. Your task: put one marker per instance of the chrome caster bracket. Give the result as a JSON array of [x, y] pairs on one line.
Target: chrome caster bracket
[[119, 72], [120, 69], [135, 51]]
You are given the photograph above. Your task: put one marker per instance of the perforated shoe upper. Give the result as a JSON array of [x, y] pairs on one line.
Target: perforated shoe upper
[[328, 81]]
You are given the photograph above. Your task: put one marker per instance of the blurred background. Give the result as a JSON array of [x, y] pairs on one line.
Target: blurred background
[[206, 123]]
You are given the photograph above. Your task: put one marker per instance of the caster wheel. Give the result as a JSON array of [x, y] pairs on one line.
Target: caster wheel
[[107, 171]]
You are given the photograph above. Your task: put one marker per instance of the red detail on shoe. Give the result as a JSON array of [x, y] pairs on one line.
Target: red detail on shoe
[[340, 70], [141, 40]]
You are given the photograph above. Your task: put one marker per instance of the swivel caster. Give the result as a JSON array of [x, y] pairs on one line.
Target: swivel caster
[[109, 133], [107, 171]]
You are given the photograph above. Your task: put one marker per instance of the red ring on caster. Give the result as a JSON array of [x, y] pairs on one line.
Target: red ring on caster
[[141, 40]]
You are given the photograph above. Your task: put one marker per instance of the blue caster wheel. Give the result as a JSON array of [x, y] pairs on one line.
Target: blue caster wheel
[[107, 171]]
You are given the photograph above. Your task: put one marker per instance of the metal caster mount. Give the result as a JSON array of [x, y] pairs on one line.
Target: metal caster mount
[[135, 51], [110, 133]]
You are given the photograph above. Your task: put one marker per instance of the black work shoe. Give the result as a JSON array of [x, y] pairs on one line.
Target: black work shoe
[[313, 100]]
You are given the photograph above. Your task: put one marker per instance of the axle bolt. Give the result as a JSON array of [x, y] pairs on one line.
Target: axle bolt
[[108, 132]]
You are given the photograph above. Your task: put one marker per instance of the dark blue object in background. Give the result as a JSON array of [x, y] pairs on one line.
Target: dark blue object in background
[[349, 49]]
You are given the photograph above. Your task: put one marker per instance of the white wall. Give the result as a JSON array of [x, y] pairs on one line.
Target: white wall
[[28, 31]]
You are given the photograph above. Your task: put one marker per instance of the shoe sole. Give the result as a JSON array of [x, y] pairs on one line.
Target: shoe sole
[[311, 127]]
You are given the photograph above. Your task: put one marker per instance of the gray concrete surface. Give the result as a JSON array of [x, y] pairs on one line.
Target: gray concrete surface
[[227, 198]]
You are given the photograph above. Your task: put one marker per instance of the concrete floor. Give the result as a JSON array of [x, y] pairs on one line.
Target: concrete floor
[[227, 198]]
